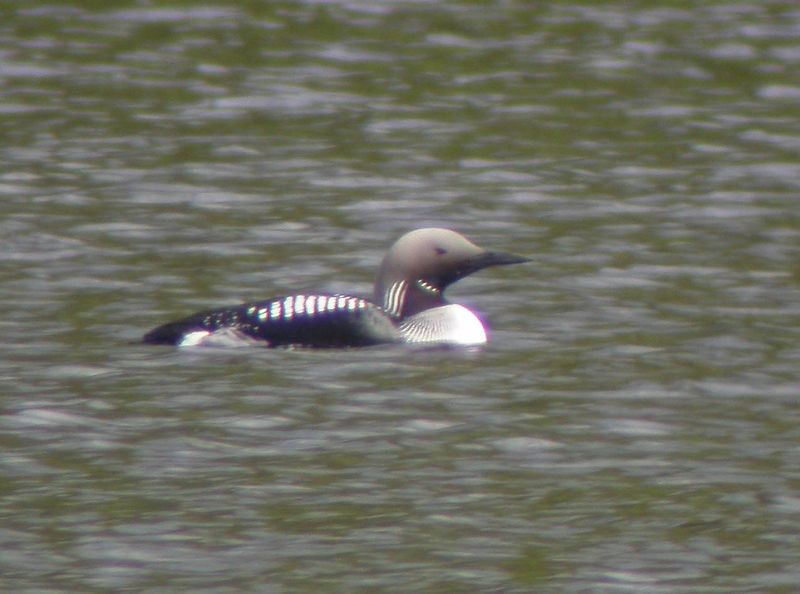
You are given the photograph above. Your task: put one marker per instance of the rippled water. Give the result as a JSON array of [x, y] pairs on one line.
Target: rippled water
[[633, 425]]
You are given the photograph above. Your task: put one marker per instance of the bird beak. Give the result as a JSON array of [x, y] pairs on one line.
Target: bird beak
[[498, 259], [484, 260]]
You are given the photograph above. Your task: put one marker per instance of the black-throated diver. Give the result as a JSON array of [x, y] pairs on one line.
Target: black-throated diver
[[408, 307]]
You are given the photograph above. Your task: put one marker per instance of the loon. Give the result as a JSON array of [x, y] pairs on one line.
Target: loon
[[408, 307]]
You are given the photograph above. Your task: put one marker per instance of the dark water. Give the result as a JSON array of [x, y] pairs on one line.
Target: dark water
[[633, 425]]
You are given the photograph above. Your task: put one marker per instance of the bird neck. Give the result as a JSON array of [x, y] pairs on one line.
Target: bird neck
[[405, 298]]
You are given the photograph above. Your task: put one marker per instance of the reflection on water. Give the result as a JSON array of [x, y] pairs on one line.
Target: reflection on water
[[631, 425]]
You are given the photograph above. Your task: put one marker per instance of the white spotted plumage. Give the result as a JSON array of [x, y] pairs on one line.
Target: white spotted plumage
[[288, 308], [311, 305], [275, 310], [428, 287], [294, 306]]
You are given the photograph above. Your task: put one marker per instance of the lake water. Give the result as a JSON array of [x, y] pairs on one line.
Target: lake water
[[633, 425]]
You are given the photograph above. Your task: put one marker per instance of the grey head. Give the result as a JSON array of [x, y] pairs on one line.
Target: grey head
[[423, 263]]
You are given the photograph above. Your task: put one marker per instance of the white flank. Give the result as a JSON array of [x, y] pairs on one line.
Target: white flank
[[194, 338], [224, 337]]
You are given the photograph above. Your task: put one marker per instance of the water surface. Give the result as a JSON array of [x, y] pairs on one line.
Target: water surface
[[632, 426]]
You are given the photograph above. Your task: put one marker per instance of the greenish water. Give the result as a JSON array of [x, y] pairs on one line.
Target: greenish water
[[632, 426]]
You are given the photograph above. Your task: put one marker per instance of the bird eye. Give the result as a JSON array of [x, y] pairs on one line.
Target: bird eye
[[441, 251]]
